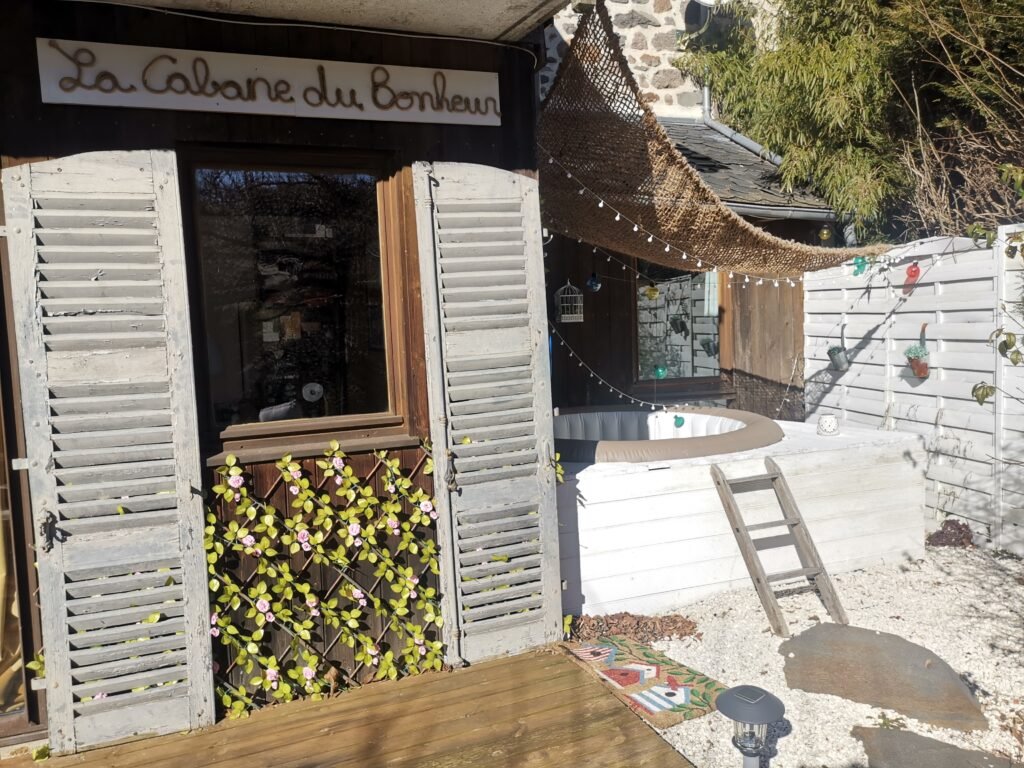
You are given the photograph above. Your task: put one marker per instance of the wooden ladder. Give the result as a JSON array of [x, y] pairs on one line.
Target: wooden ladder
[[811, 566]]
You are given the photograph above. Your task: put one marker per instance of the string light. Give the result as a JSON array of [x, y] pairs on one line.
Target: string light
[[636, 225], [604, 382]]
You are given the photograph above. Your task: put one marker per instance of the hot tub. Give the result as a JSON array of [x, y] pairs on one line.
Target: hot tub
[[641, 436]]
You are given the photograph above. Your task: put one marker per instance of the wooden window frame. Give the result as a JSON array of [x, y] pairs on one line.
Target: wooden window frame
[[392, 428], [692, 388]]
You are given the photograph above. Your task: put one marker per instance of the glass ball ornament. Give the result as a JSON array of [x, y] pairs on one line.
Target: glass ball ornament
[[825, 233], [660, 371], [913, 271], [594, 283]]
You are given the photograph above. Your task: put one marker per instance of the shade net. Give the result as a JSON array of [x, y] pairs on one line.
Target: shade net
[[610, 175]]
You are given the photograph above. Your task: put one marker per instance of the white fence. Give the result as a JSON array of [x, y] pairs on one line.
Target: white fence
[[952, 308]]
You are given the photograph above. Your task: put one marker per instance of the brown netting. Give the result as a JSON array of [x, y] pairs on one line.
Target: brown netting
[[595, 126]]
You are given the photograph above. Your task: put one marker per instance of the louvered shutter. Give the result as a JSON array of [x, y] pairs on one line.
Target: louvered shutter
[[490, 405], [101, 315]]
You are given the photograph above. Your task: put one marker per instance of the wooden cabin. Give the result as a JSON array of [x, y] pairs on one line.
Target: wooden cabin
[[250, 235]]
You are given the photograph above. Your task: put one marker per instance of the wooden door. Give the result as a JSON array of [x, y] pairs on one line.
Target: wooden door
[[485, 319], [101, 321]]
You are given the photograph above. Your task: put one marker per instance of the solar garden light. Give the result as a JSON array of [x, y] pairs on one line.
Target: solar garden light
[[751, 709]]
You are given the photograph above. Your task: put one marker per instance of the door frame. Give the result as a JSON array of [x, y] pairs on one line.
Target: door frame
[[31, 721]]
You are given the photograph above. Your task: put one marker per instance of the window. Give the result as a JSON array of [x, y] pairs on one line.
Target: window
[[291, 277], [677, 324]]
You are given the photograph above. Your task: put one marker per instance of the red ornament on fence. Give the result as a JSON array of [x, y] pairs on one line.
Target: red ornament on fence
[[913, 273]]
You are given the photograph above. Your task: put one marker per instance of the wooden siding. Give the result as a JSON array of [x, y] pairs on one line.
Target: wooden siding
[[538, 710], [30, 128], [762, 335], [958, 297]]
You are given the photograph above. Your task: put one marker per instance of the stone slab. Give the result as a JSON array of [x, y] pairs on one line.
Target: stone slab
[[882, 670], [888, 748]]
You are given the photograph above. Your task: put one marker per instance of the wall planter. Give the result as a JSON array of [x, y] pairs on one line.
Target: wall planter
[[917, 359], [838, 359]]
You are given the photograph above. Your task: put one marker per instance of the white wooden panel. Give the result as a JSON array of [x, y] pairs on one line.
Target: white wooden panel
[[958, 295]]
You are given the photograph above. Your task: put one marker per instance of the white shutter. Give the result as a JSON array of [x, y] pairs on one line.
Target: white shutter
[[485, 317], [101, 315]]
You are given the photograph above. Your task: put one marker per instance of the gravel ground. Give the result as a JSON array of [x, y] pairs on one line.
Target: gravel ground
[[965, 605]]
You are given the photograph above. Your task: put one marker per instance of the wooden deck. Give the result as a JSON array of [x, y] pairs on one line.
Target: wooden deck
[[537, 710]]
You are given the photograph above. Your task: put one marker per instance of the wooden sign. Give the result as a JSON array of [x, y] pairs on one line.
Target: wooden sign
[[101, 74]]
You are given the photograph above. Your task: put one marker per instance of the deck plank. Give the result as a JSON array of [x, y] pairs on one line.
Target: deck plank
[[537, 710]]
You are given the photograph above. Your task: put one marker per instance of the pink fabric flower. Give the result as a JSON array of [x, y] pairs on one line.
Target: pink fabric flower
[[414, 580], [213, 618], [423, 651], [272, 674], [306, 546], [296, 474], [257, 552], [303, 535], [308, 672], [338, 463], [293, 490], [358, 594], [249, 540], [315, 612], [358, 542], [262, 605], [392, 523], [236, 481], [391, 488], [412, 594], [426, 506], [99, 695], [354, 529], [312, 600], [238, 497], [337, 479], [362, 602], [270, 617], [433, 515], [214, 631]]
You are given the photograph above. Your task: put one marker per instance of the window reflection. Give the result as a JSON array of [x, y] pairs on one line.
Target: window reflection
[[291, 280]]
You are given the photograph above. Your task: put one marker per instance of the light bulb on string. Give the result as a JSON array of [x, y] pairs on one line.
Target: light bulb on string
[[582, 190], [650, 238], [568, 175], [601, 204], [730, 275], [618, 215], [746, 278], [636, 228], [699, 262], [667, 248]]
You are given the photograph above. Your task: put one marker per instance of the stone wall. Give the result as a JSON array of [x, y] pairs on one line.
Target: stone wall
[[648, 32]]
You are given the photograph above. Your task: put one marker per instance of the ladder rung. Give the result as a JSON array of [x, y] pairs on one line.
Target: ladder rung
[[757, 482], [773, 524], [786, 575]]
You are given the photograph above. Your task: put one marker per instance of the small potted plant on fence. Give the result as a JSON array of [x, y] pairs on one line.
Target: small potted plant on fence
[[917, 358], [838, 358]]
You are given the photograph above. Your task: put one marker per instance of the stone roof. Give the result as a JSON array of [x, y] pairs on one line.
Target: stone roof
[[737, 174]]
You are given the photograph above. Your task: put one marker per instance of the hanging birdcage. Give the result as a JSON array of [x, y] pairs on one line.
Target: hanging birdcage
[[569, 303]]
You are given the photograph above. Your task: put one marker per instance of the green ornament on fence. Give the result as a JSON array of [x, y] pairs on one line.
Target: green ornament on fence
[[679, 421], [660, 371], [860, 264]]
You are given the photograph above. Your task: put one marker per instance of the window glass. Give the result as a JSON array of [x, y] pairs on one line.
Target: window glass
[[677, 323], [291, 281]]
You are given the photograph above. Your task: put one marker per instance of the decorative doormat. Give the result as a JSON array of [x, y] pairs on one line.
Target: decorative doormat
[[662, 691]]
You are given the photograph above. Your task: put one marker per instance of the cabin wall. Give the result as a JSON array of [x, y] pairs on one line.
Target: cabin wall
[[761, 340]]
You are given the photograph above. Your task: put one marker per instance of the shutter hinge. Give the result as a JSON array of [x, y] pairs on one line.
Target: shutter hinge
[[38, 684], [19, 464]]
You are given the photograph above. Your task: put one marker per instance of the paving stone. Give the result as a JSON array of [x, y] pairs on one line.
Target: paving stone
[[882, 670], [888, 748]]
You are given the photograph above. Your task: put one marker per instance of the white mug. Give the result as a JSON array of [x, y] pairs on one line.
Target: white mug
[[828, 424]]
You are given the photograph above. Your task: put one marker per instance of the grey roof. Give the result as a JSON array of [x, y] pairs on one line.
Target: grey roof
[[737, 174]]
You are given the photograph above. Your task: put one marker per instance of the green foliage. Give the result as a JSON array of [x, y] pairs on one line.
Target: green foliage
[[916, 352], [38, 665], [337, 526], [41, 753], [871, 101]]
